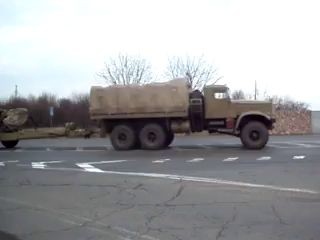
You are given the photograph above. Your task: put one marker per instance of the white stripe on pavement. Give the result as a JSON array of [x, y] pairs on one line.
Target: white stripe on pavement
[[161, 160], [89, 168], [105, 162], [265, 158], [201, 179], [230, 159], [2, 164], [42, 164], [298, 157], [277, 146], [195, 160]]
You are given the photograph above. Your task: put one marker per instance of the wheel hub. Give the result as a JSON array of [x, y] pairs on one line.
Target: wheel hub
[[152, 136], [122, 137], [254, 135]]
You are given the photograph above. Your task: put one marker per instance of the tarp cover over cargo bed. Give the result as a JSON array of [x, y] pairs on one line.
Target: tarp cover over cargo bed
[[156, 99]]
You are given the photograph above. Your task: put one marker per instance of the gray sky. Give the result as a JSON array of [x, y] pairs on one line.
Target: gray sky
[[58, 46]]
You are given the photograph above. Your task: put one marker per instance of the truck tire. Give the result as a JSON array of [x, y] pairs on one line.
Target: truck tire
[[254, 135], [153, 137], [10, 144], [170, 138], [123, 137]]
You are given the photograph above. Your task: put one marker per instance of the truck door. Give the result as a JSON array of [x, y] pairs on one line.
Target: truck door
[[217, 103]]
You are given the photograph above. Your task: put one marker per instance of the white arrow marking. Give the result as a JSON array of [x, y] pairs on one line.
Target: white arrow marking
[[265, 158], [195, 160], [2, 164], [161, 160], [42, 164], [230, 159], [89, 168], [298, 157]]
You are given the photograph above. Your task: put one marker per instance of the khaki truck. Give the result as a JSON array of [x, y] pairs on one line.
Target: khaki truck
[[148, 116]]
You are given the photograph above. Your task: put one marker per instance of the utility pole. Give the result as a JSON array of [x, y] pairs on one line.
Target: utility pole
[[16, 91], [255, 90]]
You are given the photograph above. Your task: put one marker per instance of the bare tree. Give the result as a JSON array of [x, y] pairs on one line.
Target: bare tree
[[198, 71], [125, 69], [238, 95], [288, 104]]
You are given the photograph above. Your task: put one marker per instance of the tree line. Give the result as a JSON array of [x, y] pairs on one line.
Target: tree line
[[281, 103], [74, 109]]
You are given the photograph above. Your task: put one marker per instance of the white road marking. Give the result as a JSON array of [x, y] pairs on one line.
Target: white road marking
[[161, 160], [277, 146], [12, 161], [204, 146], [292, 144], [306, 145], [298, 157], [264, 158], [42, 165], [89, 168], [79, 149], [48, 149], [204, 180], [195, 160], [2, 164], [230, 159], [18, 150], [105, 162]]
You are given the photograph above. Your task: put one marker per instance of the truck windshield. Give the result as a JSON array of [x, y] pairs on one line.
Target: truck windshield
[[221, 95]]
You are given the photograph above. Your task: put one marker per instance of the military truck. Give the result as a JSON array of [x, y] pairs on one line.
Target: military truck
[[148, 116]]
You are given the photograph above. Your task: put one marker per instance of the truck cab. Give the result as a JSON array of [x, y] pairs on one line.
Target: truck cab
[[248, 119]]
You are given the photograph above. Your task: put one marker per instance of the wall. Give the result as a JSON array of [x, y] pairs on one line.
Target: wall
[[293, 122], [315, 116]]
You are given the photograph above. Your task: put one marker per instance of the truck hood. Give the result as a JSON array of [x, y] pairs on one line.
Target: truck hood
[[240, 106], [249, 101]]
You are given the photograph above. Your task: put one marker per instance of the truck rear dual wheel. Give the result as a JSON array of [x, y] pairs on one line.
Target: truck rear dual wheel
[[254, 135], [10, 144], [153, 137], [123, 137]]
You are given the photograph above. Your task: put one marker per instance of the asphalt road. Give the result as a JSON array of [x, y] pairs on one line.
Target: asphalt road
[[199, 188]]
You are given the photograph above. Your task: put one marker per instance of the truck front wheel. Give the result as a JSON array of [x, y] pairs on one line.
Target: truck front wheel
[[123, 137], [10, 144], [254, 135], [152, 137]]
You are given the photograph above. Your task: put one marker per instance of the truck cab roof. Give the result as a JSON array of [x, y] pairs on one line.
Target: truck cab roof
[[218, 88]]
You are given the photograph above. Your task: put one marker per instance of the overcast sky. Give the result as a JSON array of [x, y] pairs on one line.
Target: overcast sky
[[59, 46]]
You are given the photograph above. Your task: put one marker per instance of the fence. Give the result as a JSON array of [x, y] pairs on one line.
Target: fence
[[315, 116]]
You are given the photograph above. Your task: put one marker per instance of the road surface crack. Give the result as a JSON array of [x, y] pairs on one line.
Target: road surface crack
[[174, 197], [277, 215], [226, 224]]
